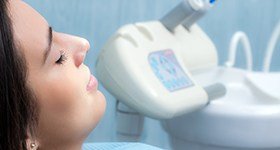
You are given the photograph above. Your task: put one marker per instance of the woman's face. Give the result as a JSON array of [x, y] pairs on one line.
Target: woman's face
[[70, 104]]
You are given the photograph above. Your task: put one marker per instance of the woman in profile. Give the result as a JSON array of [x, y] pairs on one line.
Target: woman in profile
[[48, 97]]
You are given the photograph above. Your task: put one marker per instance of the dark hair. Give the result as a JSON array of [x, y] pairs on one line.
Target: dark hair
[[17, 103]]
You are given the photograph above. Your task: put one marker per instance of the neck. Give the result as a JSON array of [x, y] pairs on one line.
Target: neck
[[62, 146]]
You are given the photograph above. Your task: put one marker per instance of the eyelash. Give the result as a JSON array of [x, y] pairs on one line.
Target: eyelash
[[62, 58]]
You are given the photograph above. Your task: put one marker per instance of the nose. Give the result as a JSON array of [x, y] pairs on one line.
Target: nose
[[80, 52]]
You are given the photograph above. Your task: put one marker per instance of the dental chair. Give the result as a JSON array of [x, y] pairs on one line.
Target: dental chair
[[168, 70], [118, 146]]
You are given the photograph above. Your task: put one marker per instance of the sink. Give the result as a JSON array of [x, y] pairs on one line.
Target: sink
[[242, 119]]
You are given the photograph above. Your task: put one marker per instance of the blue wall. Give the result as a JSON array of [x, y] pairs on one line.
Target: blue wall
[[96, 20]]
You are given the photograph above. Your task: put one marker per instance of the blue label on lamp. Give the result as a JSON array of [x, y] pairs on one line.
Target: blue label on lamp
[[168, 70]]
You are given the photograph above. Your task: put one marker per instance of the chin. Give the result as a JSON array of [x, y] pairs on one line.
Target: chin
[[98, 109], [102, 103]]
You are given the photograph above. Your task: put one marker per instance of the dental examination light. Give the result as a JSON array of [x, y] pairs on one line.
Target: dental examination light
[[149, 66], [187, 13], [188, 22]]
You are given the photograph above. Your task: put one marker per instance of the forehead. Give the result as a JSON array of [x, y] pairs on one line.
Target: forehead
[[30, 28]]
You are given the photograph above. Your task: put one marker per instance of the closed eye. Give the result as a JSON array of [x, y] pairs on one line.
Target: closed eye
[[62, 58]]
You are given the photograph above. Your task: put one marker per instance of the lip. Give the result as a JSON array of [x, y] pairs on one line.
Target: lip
[[92, 83]]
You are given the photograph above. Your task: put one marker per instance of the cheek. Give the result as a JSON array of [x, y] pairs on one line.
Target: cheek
[[59, 101], [60, 95], [65, 104]]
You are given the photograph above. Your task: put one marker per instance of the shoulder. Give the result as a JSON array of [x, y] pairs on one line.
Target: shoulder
[[118, 146]]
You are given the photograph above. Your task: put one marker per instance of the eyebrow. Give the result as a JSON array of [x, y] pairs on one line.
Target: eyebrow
[[48, 49]]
